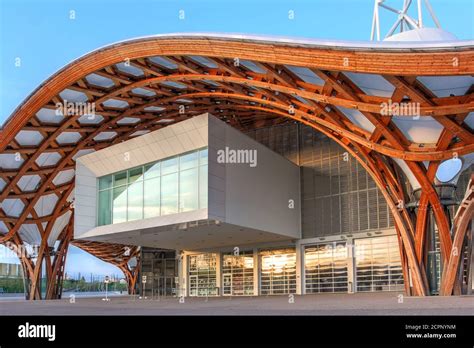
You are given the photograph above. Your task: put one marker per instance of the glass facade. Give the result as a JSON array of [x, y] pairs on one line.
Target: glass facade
[[202, 275], [378, 265], [326, 268], [161, 269], [338, 196], [434, 261], [237, 274], [278, 272], [173, 185]]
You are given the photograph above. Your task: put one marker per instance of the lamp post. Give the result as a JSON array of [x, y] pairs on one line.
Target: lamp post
[[106, 281], [144, 288]]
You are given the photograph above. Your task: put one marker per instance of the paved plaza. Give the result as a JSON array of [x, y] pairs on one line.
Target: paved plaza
[[322, 304]]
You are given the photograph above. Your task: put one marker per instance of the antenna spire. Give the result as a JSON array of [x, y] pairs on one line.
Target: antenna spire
[[404, 21]]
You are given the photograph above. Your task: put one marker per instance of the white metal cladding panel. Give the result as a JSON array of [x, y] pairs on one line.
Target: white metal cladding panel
[[253, 193], [165, 142], [172, 140], [85, 200]]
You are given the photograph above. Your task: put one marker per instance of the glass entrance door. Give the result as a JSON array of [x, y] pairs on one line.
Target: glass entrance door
[[202, 275], [160, 267], [193, 288], [166, 286], [378, 264], [326, 267], [433, 265], [237, 279], [227, 284], [278, 272]]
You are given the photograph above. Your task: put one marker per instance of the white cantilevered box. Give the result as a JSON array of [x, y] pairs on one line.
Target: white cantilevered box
[[253, 193]]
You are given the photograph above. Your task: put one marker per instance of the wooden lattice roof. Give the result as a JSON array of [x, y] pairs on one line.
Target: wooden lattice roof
[[141, 85]]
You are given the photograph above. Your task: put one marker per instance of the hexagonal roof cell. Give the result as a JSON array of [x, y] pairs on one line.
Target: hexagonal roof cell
[[82, 153], [372, 84], [444, 86], [29, 138], [68, 138], [305, 74], [53, 116], [252, 66], [48, 159], [128, 120], [356, 117], [182, 100], [73, 96], [59, 225], [140, 132], [115, 103], [129, 69], [469, 120], [424, 130], [45, 204], [11, 160], [212, 83], [105, 136], [204, 61], [63, 177], [99, 80], [30, 234], [164, 62], [3, 227], [154, 108], [144, 92], [2, 184], [90, 119], [303, 100], [173, 84], [29, 183], [13, 206]]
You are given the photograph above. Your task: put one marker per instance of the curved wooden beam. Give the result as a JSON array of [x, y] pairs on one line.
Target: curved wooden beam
[[370, 61], [116, 254], [229, 90], [462, 221]]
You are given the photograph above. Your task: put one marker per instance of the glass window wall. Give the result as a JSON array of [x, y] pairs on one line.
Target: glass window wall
[[202, 275], [237, 274], [172, 185], [278, 272], [326, 268], [378, 264]]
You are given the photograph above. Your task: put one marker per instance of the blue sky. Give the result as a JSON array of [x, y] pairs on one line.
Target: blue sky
[[42, 35]]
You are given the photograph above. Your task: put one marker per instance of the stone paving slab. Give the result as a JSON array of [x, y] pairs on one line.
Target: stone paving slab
[[321, 304]]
